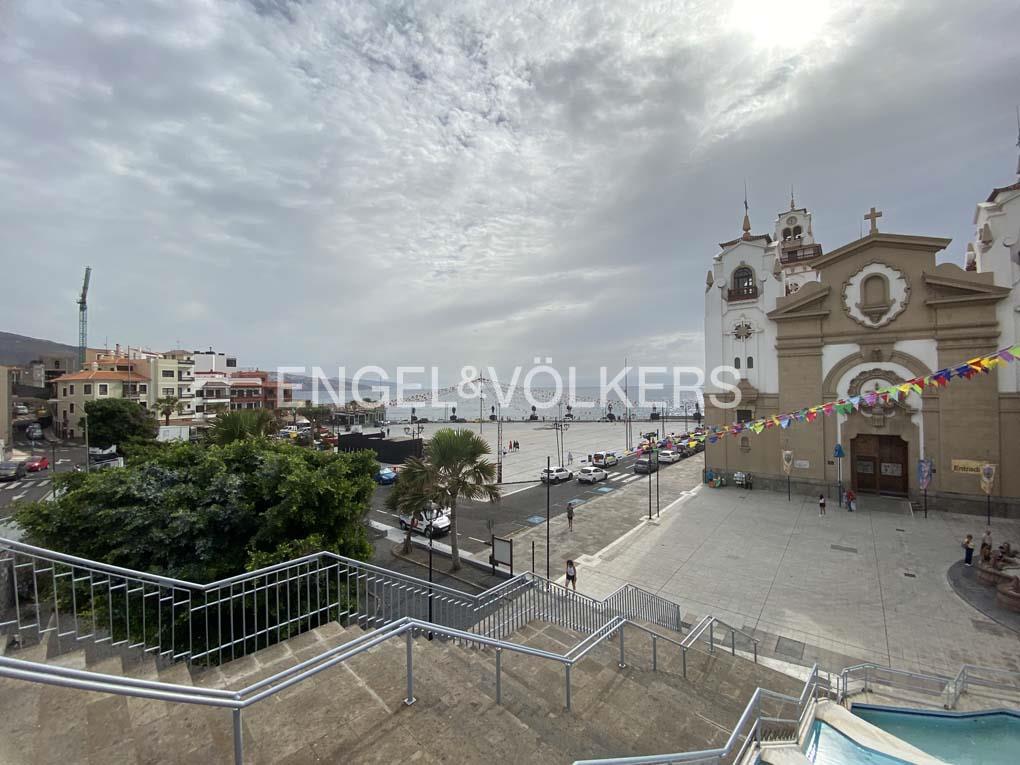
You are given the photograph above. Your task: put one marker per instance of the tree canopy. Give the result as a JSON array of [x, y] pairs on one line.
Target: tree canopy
[[203, 512], [243, 423], [118, 421]]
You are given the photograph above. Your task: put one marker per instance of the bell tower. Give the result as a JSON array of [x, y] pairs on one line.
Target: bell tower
[[794, 247]]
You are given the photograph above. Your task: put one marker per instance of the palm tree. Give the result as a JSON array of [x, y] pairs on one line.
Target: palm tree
[[167, 406], [454, 468], [241, 424]]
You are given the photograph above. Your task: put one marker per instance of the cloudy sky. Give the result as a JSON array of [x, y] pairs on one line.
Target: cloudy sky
[[322, 182]]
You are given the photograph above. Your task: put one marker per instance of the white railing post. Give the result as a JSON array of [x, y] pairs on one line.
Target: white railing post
[[623, 663], [499, 675], [655, 663], [410, 670], [238, 739], [567, 672]]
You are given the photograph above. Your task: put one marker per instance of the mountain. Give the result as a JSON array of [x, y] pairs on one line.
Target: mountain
[[17, 350]]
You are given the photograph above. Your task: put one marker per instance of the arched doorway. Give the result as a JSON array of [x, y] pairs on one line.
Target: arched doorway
[[879, 464]]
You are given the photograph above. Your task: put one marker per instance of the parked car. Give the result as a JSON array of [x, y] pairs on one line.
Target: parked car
[[35, 464], [432, 522], [20, 409], [385, 476], [591, 475], [645, 465], [555, 474], [12, 471], [604, 459], [34, 431], [669, 456]]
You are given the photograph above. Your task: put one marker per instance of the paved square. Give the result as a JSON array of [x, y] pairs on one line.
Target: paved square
[[869, 585]]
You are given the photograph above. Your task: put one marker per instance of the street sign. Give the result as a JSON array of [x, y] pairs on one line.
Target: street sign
[[838, 452]]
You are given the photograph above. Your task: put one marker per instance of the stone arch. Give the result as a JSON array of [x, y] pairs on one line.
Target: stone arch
[[916, 366]]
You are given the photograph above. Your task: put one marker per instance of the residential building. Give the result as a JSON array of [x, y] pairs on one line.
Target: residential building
[[211, 361], [46, 369], [212, 393], [172, 378], [76, 389], [253, 389]]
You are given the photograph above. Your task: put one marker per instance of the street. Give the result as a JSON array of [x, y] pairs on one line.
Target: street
[[524, 505], [36, 486]]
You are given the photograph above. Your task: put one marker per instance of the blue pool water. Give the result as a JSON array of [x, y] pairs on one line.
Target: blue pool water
[[983, 738], [827, 746]]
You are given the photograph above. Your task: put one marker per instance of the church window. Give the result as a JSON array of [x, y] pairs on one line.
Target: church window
[[744, 415], [797, 231], [743, 284], [875, 290], [736, 362], [750, 362], [787, 234], [745, 444]]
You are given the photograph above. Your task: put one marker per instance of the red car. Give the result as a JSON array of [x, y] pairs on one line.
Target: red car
[[35, 464]]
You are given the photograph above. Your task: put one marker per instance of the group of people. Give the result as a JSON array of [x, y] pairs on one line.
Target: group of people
[[999, 558], [512, 446], [849, 496]]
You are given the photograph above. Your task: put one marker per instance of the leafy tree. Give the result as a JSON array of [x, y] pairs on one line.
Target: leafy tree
[[167, 406], [241, 424], [454, 468], [204, 512], [118, 421], [317, 415], [409, 495]]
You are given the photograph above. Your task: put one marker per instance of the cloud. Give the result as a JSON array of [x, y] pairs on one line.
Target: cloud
[[325, 182]]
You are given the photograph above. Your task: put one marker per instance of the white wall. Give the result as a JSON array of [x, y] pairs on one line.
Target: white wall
[[1003, 218]]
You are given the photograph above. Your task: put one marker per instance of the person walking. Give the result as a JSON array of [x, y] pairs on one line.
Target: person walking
[[571, 575], [570, 458], [570, 515], [968, 550], [821, 505], [986, 545], [851, 499]]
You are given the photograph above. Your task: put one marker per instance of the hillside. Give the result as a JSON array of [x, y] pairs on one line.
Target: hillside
[[17, 350]]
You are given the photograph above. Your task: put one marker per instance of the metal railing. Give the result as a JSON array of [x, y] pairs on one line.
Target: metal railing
[[238, 700], [707, 625], [949, 689], [756, 723], [220, 621]]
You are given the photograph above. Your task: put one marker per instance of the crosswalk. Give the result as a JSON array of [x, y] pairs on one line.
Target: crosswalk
[[622, 477], [26, 483]]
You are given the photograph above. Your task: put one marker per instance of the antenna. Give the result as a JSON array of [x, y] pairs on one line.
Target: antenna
[[792, 203]]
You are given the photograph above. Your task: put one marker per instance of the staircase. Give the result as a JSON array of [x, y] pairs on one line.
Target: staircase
[[353, 712]]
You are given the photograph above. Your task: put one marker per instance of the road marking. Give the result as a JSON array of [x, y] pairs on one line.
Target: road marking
[[517, 491], [44, 481], [11, 486], [632, 478], [480, 541], [16, 497]]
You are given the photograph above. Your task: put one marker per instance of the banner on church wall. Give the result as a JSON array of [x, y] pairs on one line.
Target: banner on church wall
[[987, 478], [787, 461], [968, 466]]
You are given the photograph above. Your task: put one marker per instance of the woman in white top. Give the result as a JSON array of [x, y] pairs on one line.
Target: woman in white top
[[571, 575]]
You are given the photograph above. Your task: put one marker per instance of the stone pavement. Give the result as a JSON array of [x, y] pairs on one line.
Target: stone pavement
[[867, 586]]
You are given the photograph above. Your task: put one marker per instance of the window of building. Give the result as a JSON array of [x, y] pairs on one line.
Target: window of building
[[143, 388], [87, 389], [231, 362], [64, 393], [72, 390], [104, 389], [167, 373], [786, 233], [750, 362], [797, 231], [56, 363], [744, 415], [875, 290], [72, 408], [743, 278], [168, 391], [736, 362]]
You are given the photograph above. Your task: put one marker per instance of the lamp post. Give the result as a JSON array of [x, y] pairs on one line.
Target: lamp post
[[548, 539], [415, 431], [432, 510]]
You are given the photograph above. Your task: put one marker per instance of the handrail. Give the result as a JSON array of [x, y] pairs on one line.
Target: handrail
[[696, 631], [952, 687]]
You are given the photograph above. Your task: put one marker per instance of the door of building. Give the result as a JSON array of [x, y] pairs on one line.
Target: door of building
[[879, 464]]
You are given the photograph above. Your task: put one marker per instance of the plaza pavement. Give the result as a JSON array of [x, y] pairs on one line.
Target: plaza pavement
[[840, 589]]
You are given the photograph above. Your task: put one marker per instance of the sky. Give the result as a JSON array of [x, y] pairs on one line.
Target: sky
[[315, 182]]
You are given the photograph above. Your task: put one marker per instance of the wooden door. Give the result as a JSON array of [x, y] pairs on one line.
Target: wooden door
[[892, 466], [865, 473]]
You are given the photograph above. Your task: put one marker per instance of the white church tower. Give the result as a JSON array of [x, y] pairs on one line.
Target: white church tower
[[996, 248], [794, 248]]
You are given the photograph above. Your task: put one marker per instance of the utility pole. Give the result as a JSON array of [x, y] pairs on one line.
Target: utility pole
[[548, 504]]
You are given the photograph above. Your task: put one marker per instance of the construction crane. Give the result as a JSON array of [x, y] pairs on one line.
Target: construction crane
[[83, 318]]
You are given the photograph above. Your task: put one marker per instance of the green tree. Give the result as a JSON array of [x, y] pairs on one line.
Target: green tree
[[241, 424], [317, 415], [454, 468], [204, 512], [167, 406], [409, 495], [118, 421]]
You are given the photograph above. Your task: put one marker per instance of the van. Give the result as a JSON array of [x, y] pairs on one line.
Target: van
[[604, 459]]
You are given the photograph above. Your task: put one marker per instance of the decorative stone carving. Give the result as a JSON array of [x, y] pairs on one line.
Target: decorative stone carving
[[872, 380], [743, 330], [876, 295]]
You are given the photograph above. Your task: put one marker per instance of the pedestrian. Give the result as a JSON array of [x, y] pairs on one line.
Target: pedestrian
[[589, 459], [821, 505], [570, 515], [968, 550], [570, 458], [571, 575], [851, 499], [986, 545], [517, 445], [387, 432]]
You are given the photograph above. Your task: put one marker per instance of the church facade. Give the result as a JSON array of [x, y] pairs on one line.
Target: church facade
[[803, 326]]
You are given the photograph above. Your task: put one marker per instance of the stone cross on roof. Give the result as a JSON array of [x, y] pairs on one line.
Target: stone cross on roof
[[873, 216]]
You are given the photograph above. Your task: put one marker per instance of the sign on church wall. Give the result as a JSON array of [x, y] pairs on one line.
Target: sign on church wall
[[968, 466]]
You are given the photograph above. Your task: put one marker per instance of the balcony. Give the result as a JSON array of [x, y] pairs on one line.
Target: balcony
[[795, 252], [743, 292]]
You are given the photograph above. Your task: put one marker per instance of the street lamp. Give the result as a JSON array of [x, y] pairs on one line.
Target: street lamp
[[415, 431]]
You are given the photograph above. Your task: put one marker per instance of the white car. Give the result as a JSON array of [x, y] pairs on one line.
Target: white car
[[591, 475], [432, 522], [668, 455], [555, 474], [604, 459]]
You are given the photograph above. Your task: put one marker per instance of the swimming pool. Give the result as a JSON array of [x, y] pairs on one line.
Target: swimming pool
[[827, 746], [978, 738]]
